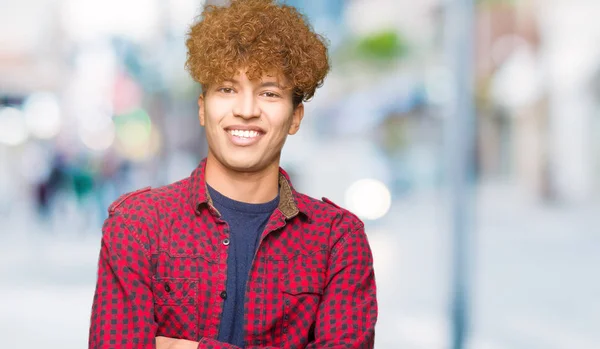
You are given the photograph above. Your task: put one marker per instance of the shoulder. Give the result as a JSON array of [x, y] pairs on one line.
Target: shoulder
[[146, 199], [134, 216], [119, 203], [344, 229], [329, 211]]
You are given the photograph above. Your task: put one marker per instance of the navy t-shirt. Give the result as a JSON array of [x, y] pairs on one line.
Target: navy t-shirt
[[246, 224]]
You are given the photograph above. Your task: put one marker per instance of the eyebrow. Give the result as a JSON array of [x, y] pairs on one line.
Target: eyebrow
[[264, 84], [271, 84]]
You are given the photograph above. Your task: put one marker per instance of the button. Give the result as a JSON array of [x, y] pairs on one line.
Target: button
[[223, 295], [226, 242], [167, 288], [286, 317]]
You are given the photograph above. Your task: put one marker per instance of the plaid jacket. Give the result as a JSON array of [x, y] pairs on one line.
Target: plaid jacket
[[162, 272]]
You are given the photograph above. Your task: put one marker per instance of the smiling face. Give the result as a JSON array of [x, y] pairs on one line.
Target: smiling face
[[247, 121]]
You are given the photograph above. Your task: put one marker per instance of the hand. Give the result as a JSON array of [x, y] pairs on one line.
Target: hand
[[174, 343]]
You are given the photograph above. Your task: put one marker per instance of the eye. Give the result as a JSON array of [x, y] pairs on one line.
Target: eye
[[270, 94], [226, 90]]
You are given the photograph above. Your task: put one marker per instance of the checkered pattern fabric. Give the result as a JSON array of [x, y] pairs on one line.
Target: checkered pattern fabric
[[162, 272]]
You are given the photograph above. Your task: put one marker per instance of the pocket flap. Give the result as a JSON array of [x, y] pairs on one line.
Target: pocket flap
[[174, 291], [303, 280]]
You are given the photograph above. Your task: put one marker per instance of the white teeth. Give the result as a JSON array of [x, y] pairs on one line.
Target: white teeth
[[244, 134]]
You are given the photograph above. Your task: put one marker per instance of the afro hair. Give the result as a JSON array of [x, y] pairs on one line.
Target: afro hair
[[262, 37]]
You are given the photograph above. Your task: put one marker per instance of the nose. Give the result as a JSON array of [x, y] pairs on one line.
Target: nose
[[246, 106]]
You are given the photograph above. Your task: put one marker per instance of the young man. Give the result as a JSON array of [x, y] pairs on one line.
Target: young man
[[233, 256]]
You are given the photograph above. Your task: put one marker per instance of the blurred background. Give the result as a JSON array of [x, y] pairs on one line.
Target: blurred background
[[95, 102]]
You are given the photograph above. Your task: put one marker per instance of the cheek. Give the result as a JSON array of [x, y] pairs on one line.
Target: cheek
[[212, 116], [282, 132], [281, 118]]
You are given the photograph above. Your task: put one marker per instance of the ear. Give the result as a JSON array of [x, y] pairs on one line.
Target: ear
[[201, 109], [296, 119]]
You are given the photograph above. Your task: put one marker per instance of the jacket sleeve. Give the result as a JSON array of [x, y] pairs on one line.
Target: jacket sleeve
[[348, 310], [123, 306]]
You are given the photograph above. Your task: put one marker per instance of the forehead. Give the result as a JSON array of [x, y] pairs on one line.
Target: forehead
[[242, 76]]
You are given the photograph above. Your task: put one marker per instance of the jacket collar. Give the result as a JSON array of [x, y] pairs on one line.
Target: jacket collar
[[290, 202]]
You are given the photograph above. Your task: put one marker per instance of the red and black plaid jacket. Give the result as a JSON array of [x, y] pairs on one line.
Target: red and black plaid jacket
[[162, 272]]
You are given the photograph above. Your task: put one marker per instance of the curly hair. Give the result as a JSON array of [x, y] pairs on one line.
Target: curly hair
[[262, 37]]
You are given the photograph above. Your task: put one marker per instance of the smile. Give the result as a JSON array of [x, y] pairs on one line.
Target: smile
[[243, 133], [244, 137]]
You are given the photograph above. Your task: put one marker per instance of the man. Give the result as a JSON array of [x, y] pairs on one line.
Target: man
[[233, 256]]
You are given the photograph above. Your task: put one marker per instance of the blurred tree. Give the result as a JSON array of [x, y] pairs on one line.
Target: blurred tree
[[383, 45]]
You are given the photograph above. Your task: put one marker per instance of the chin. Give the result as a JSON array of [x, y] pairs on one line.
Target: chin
[[245, 164]]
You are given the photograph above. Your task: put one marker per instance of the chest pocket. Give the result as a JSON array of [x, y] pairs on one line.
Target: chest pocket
[[302, 291], [175, 307]]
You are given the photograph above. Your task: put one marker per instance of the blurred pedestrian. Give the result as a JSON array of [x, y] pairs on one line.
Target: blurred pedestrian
[[50, 187]]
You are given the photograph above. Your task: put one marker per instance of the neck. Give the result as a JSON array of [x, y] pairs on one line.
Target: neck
[[249, 187]]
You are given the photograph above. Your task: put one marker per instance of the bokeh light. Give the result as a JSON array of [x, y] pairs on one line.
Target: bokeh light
[[369, 198], [136, 137], [42, 115], [97, 131], [13, 130]]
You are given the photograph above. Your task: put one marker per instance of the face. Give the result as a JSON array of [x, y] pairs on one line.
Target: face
[[247, 122]]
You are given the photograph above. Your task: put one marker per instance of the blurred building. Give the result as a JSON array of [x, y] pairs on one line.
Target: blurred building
[[538, 113]]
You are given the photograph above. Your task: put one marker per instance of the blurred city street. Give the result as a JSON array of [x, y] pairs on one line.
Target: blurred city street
[[95, 101], [535, 283]]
